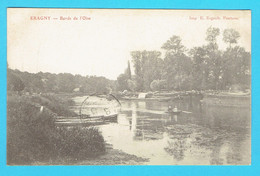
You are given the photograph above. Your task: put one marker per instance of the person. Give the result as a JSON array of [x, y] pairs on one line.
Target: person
[[170, 108], [175, 109]]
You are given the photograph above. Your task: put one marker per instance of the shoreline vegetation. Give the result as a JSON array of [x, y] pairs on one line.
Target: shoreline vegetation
[[33, 136], [34, 139], [208, 97]]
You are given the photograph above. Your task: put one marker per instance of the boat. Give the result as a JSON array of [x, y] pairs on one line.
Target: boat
[[227, 100], [86, 120], [104, 117], [174, 112], [112, 117], [147, 99]]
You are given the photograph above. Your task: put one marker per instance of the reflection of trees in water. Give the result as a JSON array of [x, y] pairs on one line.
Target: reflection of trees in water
[[225, 146], [177, 146], [230, 150], [233, 155], [239, 149], [144, 126], [213, 132], [134, 119], [215, 157], [145, 131], [226, 117], [177, 141]]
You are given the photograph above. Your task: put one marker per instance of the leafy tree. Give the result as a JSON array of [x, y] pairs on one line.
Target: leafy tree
[[137, 62], [122, 82], [148, 66], [177, 65], [157, 85], [200, 70], [173, 46], [131, 85], [215, 60], [230, 36], [152, 67], [128, 71], [98, 85], [65, 82], [14, 82], [236, 68], [211, 38], [216, 69]]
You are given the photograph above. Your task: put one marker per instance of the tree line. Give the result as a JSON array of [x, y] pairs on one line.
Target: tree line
[[57, 83], [199, 68]]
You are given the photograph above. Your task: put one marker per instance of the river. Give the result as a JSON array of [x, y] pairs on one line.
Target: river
[[200, 135]]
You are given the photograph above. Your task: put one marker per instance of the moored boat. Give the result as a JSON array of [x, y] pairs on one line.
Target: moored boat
[[227, 99]]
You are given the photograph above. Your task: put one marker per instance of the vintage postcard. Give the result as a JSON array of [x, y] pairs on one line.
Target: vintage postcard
[[128, 87]]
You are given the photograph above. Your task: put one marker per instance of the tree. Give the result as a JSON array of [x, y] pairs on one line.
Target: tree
[[216, 69], [99, 85], [148, 66], [65, 82], [177, 65], [236, 68], [152, 68], [122, 82], [131, 85], [215, 60], [128, 71], [200, 70], [230, 36], [157, 85], [14, 82], [138, 69], [211, 37], [173, 46]]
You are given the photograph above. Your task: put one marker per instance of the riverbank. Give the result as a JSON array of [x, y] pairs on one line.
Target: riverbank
[[32, 135], [33, 138], [209, 97]]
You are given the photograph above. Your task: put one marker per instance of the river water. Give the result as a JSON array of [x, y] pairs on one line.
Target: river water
[[200, 135]]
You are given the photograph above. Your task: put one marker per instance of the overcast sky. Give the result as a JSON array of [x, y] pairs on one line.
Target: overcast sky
[[101, 45]]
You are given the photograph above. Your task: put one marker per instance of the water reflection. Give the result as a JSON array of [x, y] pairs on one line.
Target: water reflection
[[177, 145], [199, 135]]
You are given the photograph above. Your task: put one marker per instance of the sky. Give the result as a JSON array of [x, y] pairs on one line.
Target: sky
[[99, 41]]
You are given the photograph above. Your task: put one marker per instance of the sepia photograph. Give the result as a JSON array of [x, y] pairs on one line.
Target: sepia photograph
[[128, 87]]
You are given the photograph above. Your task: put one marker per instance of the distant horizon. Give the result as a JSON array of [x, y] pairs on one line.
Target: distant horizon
[[62, 73]]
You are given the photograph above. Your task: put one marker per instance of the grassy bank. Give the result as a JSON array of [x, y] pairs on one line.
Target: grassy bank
[[32, 136]]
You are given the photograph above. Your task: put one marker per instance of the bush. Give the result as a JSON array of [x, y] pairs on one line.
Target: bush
[[79, 142], [14, 82], [157, 85], [55, 104], [33, 137], [28, 132]]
